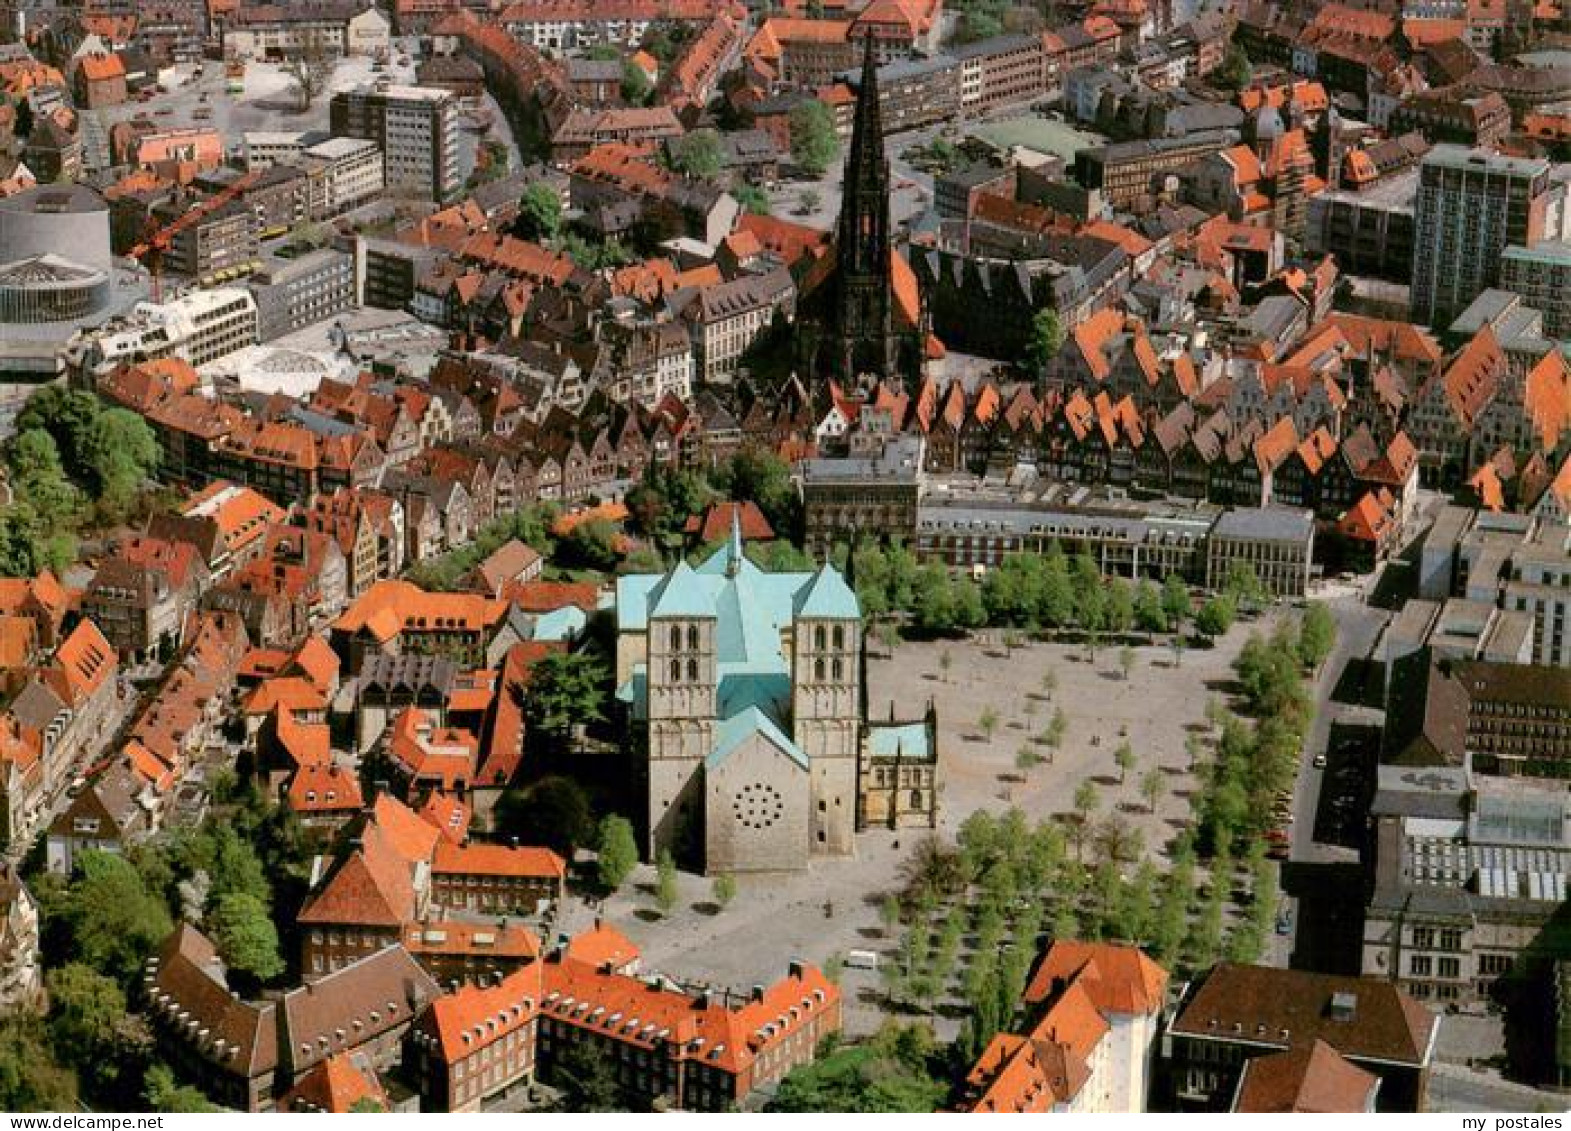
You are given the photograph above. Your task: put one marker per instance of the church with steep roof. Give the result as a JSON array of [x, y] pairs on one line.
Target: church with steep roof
[[860, 316], [744, 695]]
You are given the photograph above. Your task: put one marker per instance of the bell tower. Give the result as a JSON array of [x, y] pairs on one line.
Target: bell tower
[[862, 340]]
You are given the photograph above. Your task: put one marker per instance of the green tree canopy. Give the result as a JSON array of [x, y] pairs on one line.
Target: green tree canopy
[[31, 1079], [699, 154], [114, 920], [245, 936], [567, 689], [1216, 616], [890, 1073], [665, 881], [1047, 338], [618, 851], [753, 199], [539, 213], [164, 1093], [553, 812], [814, 143], [1316, 635], [636, 87]]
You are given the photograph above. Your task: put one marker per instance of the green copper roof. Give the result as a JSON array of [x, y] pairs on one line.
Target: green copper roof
[[682, 594], [828, 595], [739, 728], [909, 740]]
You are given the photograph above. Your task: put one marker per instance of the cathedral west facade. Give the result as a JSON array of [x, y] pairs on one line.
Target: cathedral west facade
[[744, 695]]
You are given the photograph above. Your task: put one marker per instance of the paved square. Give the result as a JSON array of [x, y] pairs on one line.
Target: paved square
[[779, 917]]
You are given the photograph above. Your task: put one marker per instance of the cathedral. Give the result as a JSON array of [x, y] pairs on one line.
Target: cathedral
[[859, 316], [745, 702]]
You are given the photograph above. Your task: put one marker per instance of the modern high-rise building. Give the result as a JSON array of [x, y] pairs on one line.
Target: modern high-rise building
[[1472, 205], [417, 128]]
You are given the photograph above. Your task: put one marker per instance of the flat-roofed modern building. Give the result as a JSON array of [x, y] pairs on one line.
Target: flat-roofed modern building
[[1473, 204], [417, 129]]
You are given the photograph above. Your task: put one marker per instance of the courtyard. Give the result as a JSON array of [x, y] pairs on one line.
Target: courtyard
[[833, 908]]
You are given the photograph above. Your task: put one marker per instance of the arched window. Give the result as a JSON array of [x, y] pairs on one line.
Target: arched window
[[692, 671], [839, 637], [837, 669], [692, 638], [818, 637], [676, 638], [676, 669], [818, 669]]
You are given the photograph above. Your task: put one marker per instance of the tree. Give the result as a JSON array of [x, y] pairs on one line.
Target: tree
[[988, 722], [85, 1011], [1151, 787], [115, 922], [1046, 339], [814, 144], [1150, 616], [1216, 616], [665, 881], [753, 199], [22, 125], [1124, 759], [163, 1093], [553, 812], [567, 689], [1235, 71], [889, 913], [807, 202], [539, 213], [1244, 586], [1126, 662], [1057, 728], [724, 888], [636, 87], [586, 1080], [887, 1074], [245, 936], [310, 64], [1026, 758], [1316, 636], [618, 851], [31, 1079], [945, 662], [1175, 601], [1049, 682], [765, 478], [698, 154], [1085, 800]]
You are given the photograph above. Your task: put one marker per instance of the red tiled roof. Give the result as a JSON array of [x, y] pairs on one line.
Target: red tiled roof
[[497, 860]]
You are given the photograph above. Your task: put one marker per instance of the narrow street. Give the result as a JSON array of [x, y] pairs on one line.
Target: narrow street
[[1322, 882]]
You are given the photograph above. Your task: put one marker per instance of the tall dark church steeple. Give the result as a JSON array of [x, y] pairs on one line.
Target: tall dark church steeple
[[864, 340], [848, 324]]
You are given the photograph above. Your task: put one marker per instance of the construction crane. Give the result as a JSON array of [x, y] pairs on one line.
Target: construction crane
[[150, 252]]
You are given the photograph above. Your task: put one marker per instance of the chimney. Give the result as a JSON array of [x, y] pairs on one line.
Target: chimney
[[757, 994]]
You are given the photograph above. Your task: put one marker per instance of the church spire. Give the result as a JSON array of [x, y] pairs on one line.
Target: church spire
[[735, 554], [863, 233]]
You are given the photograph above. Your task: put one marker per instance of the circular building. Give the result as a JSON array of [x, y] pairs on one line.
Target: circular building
[[47, 288], [70, 222]]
